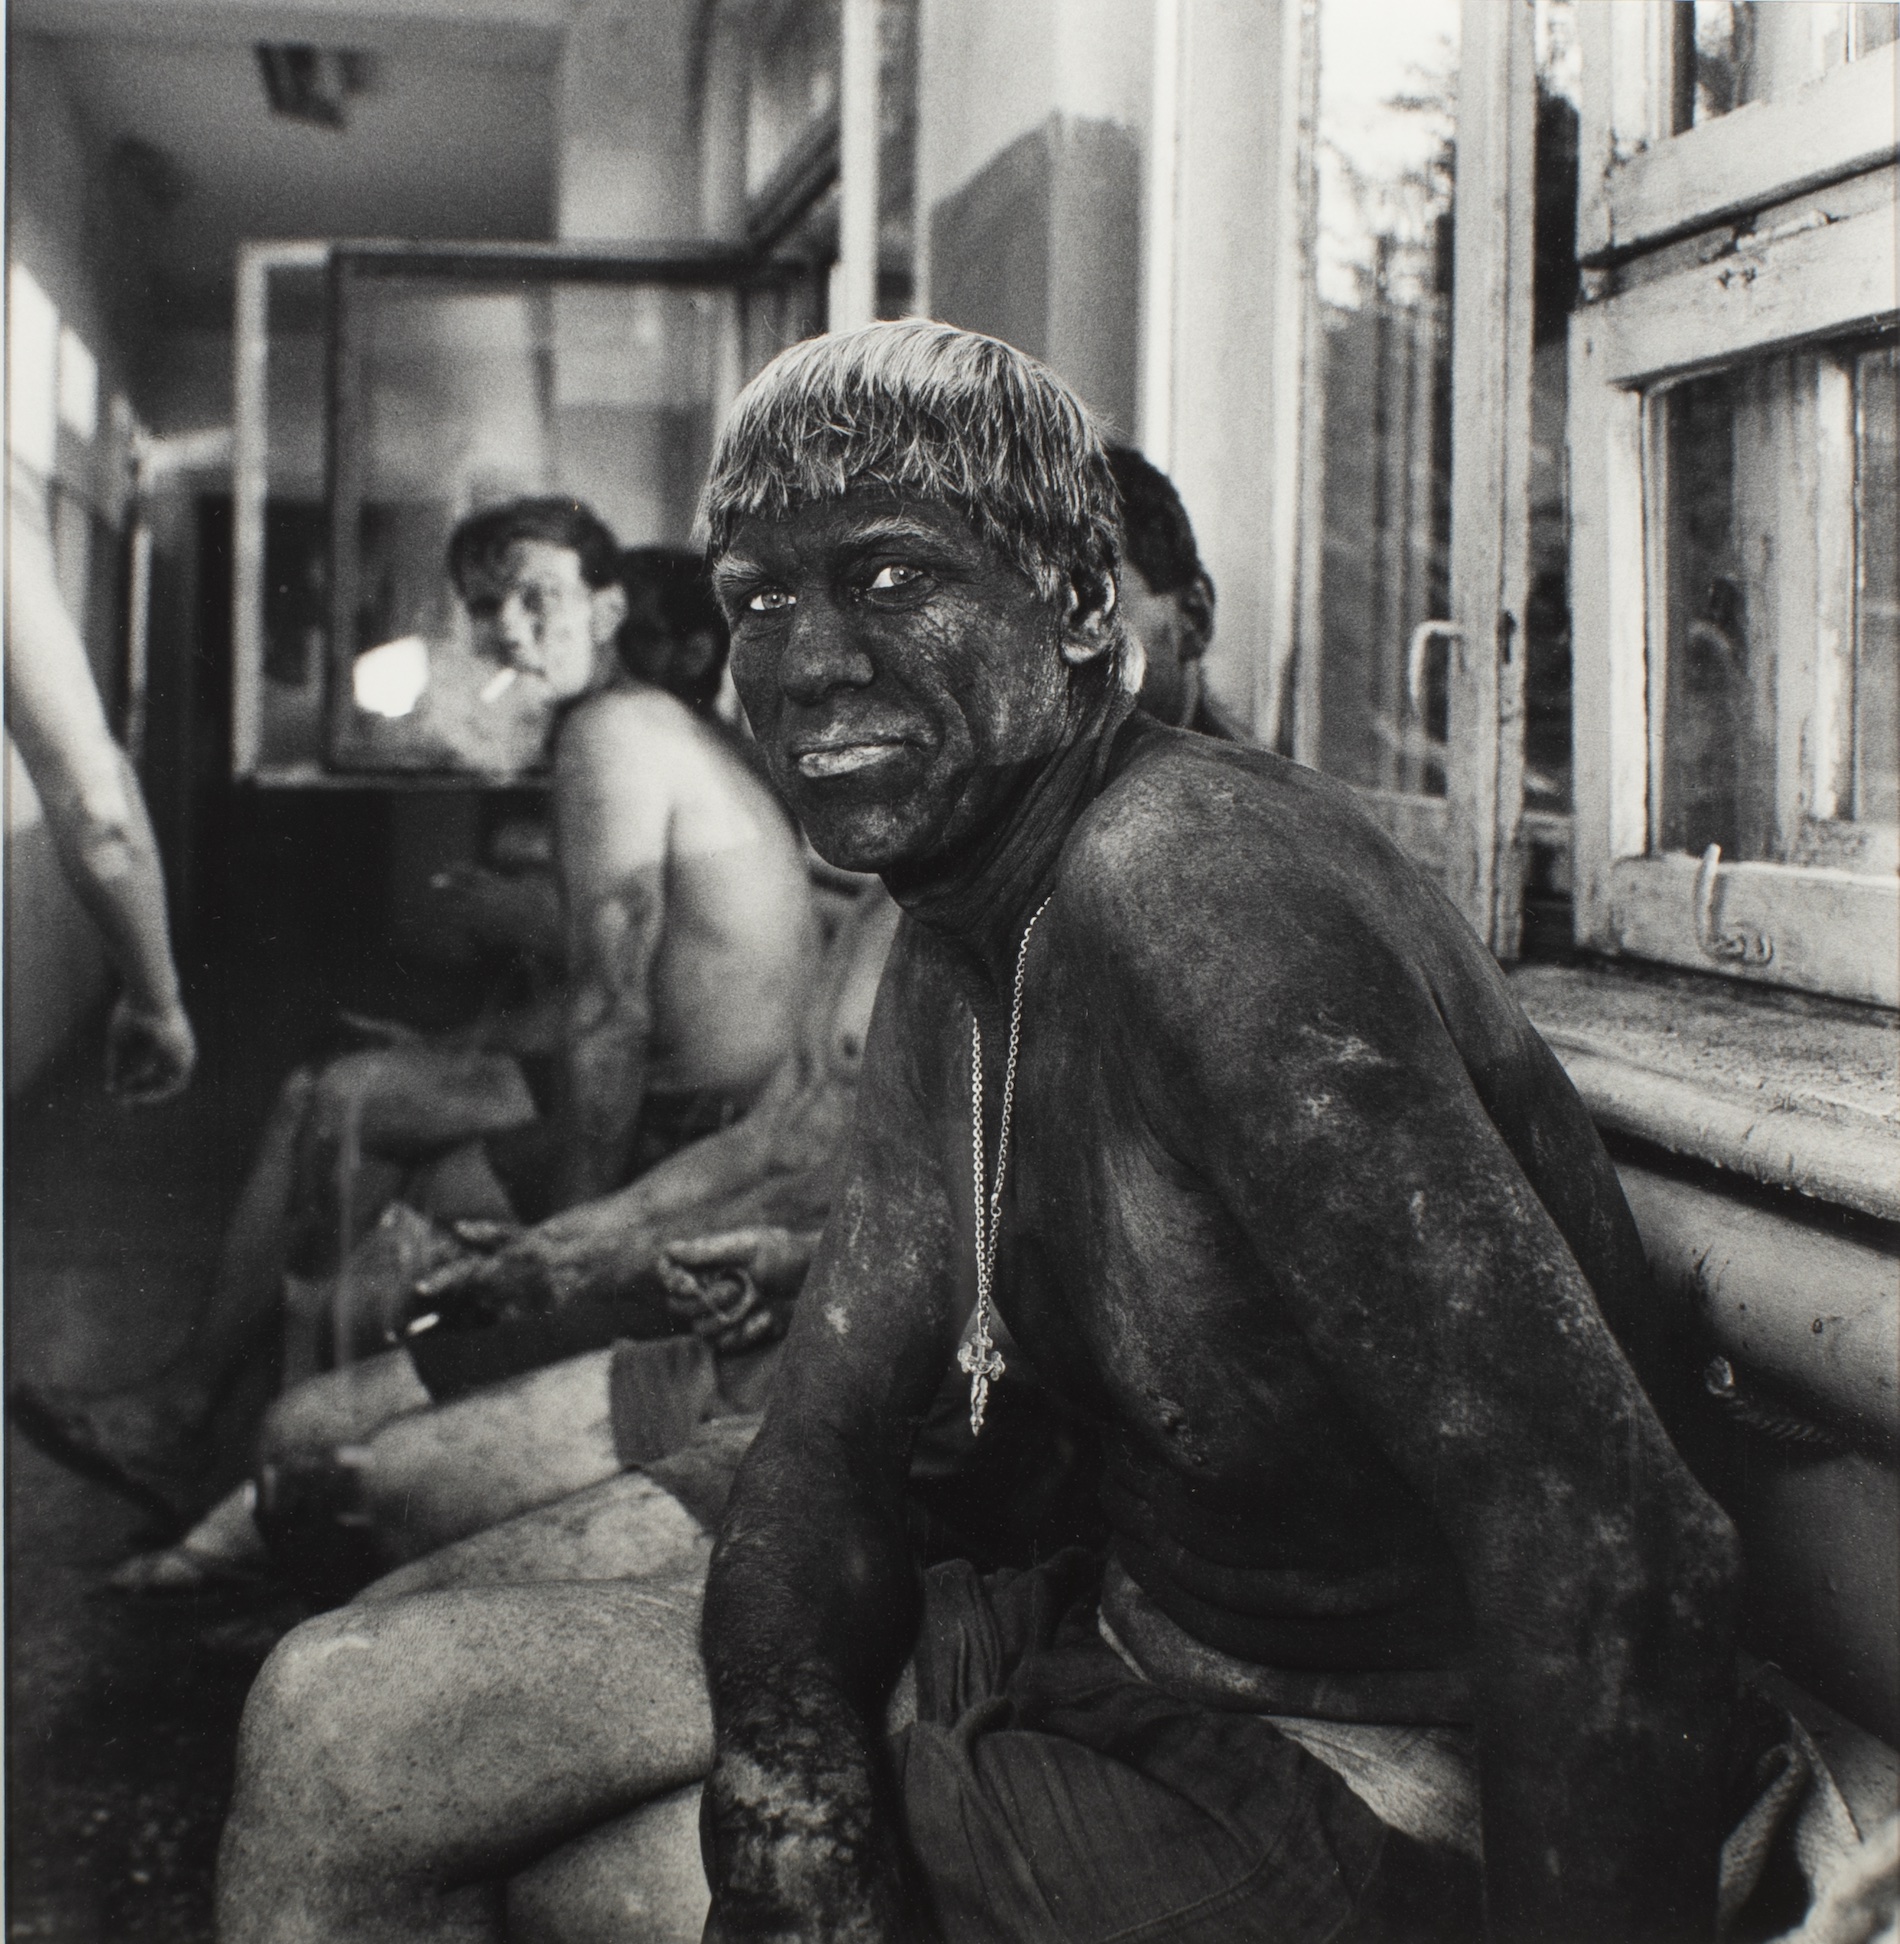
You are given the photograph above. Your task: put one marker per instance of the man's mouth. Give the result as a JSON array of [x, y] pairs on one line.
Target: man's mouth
[[842, 758]]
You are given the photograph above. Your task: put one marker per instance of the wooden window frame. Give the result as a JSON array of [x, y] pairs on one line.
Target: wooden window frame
[[1801, 267], [1472, 838], [1641, 183]]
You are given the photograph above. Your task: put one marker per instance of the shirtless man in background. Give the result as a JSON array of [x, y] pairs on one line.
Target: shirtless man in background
[[736, 1213], [691, 948], [1297, 1210]]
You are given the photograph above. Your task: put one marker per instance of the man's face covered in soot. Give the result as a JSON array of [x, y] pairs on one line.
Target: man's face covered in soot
[[900, 674]]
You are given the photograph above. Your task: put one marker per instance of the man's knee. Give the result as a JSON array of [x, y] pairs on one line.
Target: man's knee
[[638, 1876], [318, 1723], [340, 1407]]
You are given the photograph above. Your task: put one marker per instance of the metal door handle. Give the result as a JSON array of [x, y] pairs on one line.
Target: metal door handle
[[1422, 638]]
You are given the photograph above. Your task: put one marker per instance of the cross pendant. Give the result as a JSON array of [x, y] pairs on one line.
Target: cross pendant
[[983, 1361]]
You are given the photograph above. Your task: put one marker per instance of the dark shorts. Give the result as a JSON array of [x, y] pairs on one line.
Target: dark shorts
[[1050, 1793]]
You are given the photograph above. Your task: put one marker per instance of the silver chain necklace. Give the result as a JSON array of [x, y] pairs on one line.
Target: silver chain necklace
[[980, 1356]]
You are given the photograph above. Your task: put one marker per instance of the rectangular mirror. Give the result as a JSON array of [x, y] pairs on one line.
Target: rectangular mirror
[[397, 389]]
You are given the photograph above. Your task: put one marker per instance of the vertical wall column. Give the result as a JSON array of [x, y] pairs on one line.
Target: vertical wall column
[[1031, 120], [854, 275], [1224, 317]]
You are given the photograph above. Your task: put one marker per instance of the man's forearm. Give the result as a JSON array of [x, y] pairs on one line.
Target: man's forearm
[[1604, 1712], [605, 1062], [795, 1839], [810, 1607], [104, 840]]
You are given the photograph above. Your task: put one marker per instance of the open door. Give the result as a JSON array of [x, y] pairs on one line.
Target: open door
[[1414, 516]]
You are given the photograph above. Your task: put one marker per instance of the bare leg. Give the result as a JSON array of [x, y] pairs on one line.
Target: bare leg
[[625, 1528], [147, 1440], [439, 1475], [400, 1758], [639, 1876], [342, 1407], [304, 1426], [222, 1549]]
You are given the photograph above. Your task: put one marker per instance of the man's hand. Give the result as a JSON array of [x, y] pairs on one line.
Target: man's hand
[[736, 1289], [149, 1054], [510, 1272], [792, 1843], [593, 1250]]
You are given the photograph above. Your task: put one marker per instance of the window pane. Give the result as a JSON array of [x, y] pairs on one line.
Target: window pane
[[1384, 163], [1774, 492], [1754, 50], [296, 603], [1547, 613]]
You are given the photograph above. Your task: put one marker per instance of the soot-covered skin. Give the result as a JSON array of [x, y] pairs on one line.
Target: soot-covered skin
[[1302, 1212]]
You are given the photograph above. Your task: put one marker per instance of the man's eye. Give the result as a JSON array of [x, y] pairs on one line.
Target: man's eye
[[894, 576], [771, 600]]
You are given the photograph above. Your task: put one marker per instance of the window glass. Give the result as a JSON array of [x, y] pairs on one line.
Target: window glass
[[1547, 611], [32, 357], [296, 566], [1774, 493], [78, 385], [1387, 107], [794, 84], [1754, 50]]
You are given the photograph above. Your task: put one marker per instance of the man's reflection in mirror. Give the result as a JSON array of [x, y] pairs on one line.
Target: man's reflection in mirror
[[542, 616]]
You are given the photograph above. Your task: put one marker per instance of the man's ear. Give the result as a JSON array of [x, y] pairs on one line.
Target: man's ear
[[1088, 617], [609, 610], [1196, 602]]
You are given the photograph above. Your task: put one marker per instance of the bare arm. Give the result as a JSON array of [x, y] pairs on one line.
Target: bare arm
[[517, 911], [811, 1601], [604, 1247], [98, 822], [1340, 1127], [613, 809]]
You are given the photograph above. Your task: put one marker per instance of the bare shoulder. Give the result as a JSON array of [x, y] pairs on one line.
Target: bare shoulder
[[1239, 843], [639, 740], [1237, 898], [619, 722]]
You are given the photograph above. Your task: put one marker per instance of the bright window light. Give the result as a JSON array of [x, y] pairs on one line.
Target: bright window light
[[78, 385], [389, 680], [32, 357]]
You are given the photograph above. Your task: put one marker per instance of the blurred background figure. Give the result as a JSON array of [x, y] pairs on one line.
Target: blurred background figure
[[679, 919], [1167, 598], [98, 821]]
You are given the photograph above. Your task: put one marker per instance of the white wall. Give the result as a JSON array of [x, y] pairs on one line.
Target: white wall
[[1228, 427], [1218, 222], [991, 70], [627, 162]]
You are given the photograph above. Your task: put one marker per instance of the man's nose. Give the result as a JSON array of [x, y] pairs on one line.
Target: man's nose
[[822, 653], [515, 625]]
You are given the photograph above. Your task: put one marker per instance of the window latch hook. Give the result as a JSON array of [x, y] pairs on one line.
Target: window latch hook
[[1739, 944]]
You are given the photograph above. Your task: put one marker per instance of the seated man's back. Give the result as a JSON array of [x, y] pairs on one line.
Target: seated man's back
[[659, 816]]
